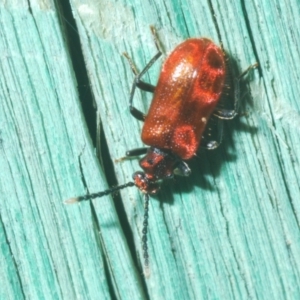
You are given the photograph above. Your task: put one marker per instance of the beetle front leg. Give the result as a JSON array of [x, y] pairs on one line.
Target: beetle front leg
[[136, 152], [133, 153]]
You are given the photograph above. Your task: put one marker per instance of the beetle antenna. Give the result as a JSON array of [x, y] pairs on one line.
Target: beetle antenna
[[145, 231], [99, 194]]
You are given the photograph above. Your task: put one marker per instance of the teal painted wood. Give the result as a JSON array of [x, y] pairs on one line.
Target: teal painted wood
[[49, 250], [230, 231]]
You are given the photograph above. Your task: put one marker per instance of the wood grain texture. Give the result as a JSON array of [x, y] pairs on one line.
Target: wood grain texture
[[230, 231], [48, 250]]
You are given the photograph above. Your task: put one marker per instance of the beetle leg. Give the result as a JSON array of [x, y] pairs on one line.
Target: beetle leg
[[214, 144], [229, 114], [144, 86], [138, 81], [137, 113], [147, 87], [132, 153], [140, 84], [182, 169], [156, 39], [136, 152], [226, 114]]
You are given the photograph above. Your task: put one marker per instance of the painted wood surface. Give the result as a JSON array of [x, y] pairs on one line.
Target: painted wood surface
[[230, 231]]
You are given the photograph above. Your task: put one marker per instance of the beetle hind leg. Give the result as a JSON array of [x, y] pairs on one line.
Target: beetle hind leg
[[144, 86], [228, 114], [147, 87]]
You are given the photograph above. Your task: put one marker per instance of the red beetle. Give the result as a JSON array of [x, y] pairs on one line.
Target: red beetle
[[192, 82]]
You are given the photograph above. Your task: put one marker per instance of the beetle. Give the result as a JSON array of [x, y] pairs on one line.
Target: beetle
[[193, 81]]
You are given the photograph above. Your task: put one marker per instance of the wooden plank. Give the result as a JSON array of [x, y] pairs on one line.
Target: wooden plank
[[49, 250], [230, 231]]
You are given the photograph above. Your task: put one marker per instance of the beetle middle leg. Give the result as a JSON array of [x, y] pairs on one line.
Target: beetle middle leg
[[213, 129], [147, 87], [229, 114], [144, 86], [220, 113]]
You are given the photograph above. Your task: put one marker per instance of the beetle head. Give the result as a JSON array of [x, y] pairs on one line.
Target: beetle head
[[158, 164], [146, 185]]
